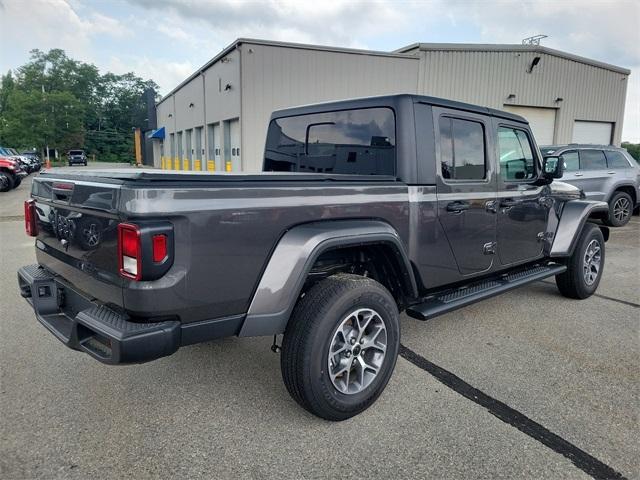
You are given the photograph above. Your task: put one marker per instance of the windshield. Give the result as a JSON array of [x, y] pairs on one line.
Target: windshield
[[76, 152]]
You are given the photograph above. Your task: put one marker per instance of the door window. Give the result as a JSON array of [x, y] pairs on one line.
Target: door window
[[592, 160], [516, 155], [571, 161], [616, 159], [462, 150]]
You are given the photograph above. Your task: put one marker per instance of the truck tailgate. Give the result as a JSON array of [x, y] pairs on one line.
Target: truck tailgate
[[77, 233]]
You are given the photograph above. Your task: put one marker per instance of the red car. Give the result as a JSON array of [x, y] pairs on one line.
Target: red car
[[11, 174]]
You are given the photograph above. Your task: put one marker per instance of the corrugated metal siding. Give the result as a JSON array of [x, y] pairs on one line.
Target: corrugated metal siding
[[280, 77], [488, 78]]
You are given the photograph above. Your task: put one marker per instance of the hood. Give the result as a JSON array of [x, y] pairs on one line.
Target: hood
[[565, 191]]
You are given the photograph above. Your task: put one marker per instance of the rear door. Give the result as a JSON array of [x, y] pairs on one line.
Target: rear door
[[522, 206], [466, 187], [592, 177]]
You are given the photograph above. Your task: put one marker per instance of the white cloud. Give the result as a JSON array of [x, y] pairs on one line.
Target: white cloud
[[49, 24], [166, 74]]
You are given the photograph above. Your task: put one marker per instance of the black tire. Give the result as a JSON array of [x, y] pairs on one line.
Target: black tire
[[16, 182], [313, 324], [6, 182], [572, 283], [620, 209]]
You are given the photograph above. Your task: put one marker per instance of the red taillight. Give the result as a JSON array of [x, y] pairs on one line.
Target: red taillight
[[30, 217], [159, 248], [129, 251]]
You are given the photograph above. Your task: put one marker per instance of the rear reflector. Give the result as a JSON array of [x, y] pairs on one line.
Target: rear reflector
[[129, 251], [30, 217], [159, 248]]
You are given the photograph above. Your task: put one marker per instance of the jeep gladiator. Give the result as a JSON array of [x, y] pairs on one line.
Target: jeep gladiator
[[366, 208]]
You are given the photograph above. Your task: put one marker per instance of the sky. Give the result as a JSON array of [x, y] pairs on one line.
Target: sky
[[167, 40]]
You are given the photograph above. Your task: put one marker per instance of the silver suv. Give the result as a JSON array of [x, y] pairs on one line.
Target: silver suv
[[602, 172]]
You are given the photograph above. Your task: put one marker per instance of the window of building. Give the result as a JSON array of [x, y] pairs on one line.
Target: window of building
[[361, 141], [571, 161], [462, 150], [592, 160], [516, 155], [616, 159]]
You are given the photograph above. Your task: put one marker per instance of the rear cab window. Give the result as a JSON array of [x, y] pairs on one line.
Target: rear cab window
[[358, 141]]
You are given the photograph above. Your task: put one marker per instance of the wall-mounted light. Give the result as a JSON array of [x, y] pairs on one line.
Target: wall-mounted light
[[170, 115], [535, 62], [512, 96], [227, 87], [559, 99], [191, 105], [225, 60]]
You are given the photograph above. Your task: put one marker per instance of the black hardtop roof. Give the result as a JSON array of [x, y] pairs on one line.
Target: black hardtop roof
[[392, 100]]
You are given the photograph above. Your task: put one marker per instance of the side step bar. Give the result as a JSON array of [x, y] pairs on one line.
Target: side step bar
[[452, 299]]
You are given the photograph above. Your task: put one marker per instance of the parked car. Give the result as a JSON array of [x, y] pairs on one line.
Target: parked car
[[77, 157], [366, 208], [34, 157], [602, 172], [11, 173], [25, 164], [31, 164]]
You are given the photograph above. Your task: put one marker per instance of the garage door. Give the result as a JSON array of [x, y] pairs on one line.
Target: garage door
[[541, 120], [592, 132]]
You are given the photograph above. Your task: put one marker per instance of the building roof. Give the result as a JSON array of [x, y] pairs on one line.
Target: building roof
[[303, 46], [400, 53], [496, 47]]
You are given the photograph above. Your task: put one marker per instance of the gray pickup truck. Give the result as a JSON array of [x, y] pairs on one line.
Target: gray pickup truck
[[366, 208]]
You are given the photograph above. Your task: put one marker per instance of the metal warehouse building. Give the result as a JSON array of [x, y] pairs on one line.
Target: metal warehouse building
[[217, 118]]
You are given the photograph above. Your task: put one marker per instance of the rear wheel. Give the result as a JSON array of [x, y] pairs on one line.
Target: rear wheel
[[585, 266], [16, 182], [340, 346], [620, 209]]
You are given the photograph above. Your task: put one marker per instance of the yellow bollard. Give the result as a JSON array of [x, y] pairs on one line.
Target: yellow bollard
[[211, 165], [196, 165], [228, 166], [185, 164], [176, 163]]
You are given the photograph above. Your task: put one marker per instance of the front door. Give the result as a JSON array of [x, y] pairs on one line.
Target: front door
[[466, 188], [522, 206]]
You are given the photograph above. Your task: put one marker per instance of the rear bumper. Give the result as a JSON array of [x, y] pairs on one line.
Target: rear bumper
[[83, 324]]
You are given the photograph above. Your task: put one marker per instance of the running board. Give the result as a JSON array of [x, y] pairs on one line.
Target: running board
[[452, 299]]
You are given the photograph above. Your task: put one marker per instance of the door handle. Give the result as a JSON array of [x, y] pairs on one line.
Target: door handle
[[457, 207], [491, 206], [508, 203], [611, 173], [578, 174]]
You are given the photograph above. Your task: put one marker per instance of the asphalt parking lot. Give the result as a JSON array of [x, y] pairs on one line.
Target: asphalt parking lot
[[525, 385]]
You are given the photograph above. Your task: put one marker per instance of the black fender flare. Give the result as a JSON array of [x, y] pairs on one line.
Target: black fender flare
[[293, 258], [572, 219]]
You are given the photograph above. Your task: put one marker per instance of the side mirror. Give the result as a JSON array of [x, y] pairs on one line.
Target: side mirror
[[552, 167]]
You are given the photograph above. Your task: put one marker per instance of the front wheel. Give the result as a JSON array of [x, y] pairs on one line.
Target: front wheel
[[585, 266], [341, 346], [6, 182]]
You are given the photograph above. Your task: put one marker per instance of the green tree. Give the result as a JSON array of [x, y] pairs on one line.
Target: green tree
[[633, 149], [64, 103]]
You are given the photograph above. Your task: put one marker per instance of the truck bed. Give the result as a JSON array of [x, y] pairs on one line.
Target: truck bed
[[225, 227]]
